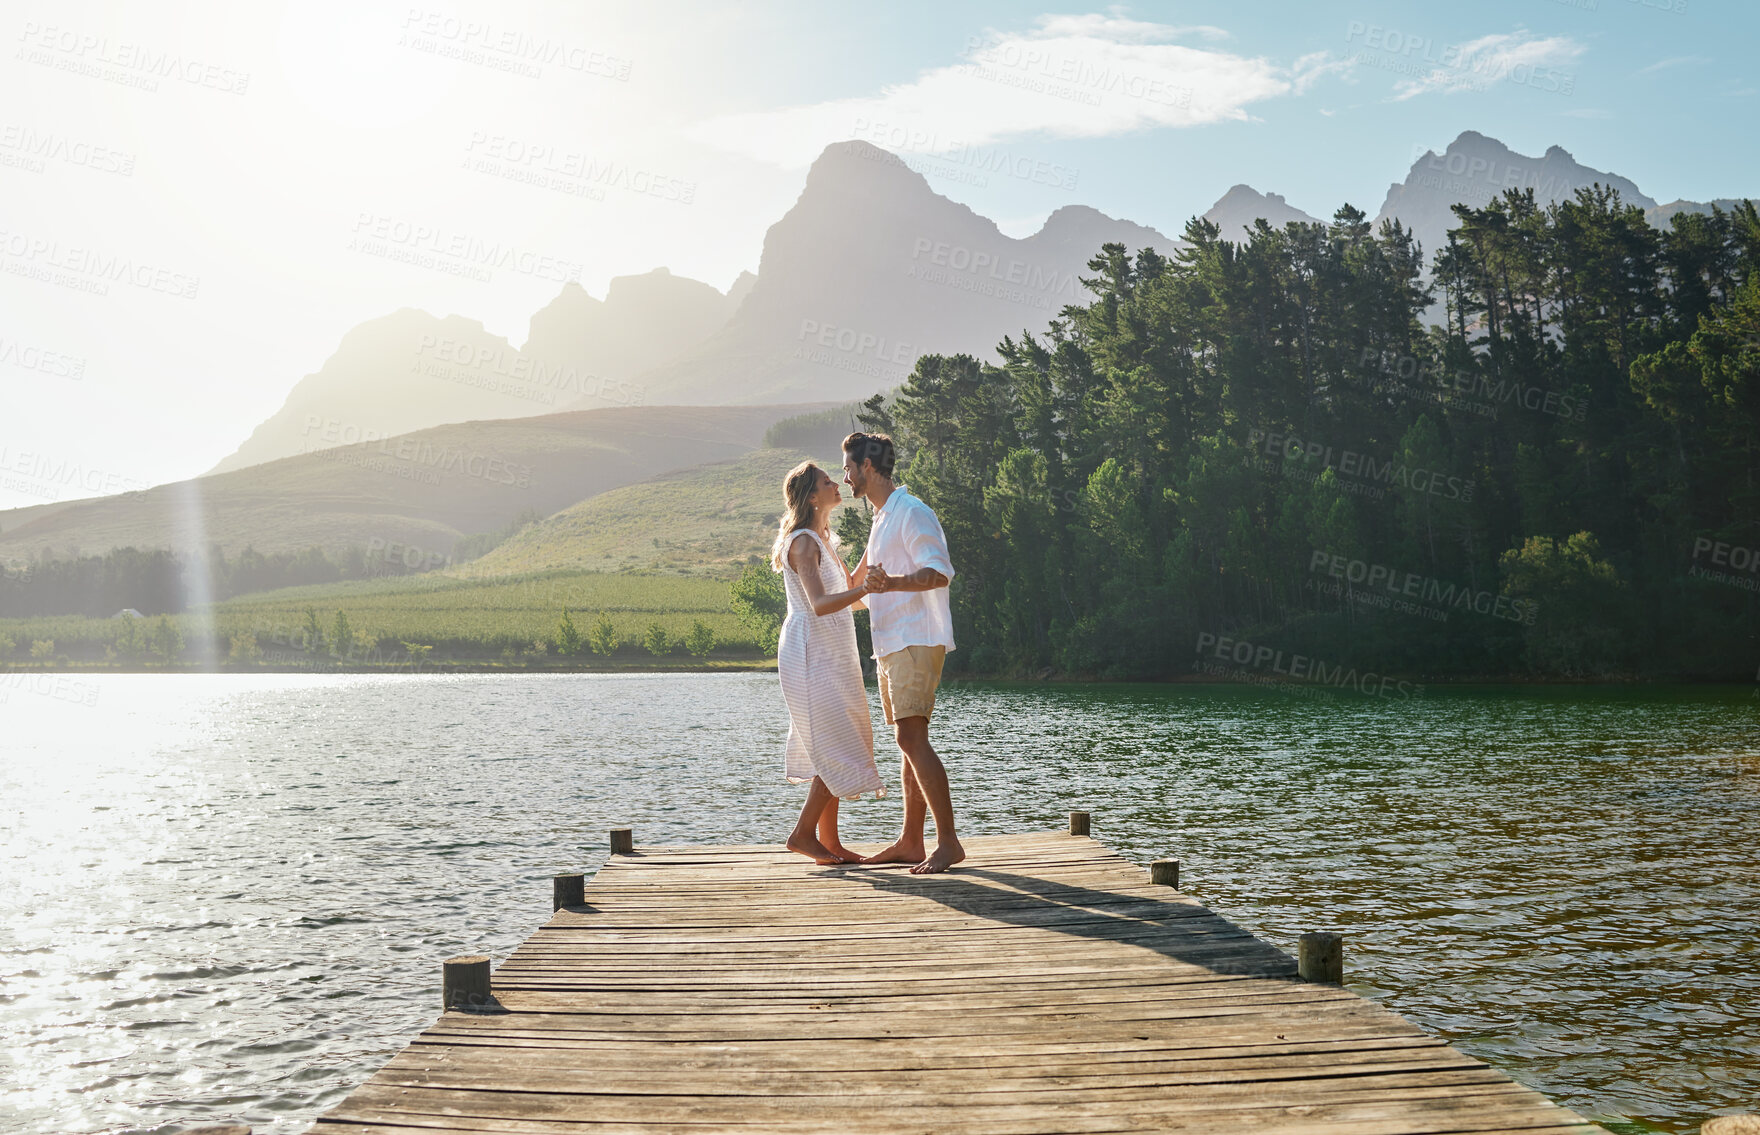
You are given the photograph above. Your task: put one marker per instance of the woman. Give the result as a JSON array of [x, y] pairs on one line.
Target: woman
[[830, 736]]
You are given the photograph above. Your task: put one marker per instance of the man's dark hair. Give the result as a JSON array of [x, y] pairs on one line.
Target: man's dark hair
[[872, 447]]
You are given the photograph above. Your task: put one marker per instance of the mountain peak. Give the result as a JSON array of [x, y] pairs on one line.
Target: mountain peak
[[1242, 205], [1066, 215], [1477, 169], [840, 162], [1079, 231], [1244, 192]]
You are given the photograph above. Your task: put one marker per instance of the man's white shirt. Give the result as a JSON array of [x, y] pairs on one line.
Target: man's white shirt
[[907, 536]]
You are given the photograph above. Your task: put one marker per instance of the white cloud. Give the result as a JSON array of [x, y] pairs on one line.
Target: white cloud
[[1476, 64], [1121, 30], [1671, 61], [1311, 68], [1070, 77]]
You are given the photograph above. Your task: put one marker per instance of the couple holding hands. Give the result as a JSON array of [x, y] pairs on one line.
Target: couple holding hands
[[902, 580]]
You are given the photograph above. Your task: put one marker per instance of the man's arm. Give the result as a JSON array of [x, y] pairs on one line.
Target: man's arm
[[923, 579], [927, 545]]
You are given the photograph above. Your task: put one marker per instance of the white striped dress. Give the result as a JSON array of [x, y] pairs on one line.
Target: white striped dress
[[830, 732]]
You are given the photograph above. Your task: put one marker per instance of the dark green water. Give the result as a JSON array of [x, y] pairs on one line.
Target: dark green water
[[228, 896], [1562, 881]]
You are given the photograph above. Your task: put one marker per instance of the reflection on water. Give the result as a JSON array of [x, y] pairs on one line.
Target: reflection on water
[[228, 896]]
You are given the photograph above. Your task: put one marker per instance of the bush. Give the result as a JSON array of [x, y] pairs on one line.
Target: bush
[[43, 649], [129, 640], [166, 641], [701, 640], [602, 639], [1576, 604], [568, 636], [655, 640], [759, 601], [245, 648]]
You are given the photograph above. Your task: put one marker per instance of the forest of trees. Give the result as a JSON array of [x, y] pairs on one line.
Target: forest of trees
[[1265, 443], [160, 581]]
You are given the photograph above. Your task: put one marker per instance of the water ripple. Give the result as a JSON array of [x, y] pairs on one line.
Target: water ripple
[[228, 897]]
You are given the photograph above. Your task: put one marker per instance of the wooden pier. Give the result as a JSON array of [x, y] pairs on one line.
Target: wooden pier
[[1046, 986]]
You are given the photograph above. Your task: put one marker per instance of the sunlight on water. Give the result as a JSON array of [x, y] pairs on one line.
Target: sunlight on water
[[228, 896]]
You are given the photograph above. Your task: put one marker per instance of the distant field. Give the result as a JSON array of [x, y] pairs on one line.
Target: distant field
[[459, 619], [701, 521], [657, 552]]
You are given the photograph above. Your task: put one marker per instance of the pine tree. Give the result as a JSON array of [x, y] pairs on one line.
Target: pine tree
[[568, 638], [602, 639]]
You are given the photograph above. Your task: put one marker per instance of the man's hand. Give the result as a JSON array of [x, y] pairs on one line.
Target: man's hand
[[877, 579]]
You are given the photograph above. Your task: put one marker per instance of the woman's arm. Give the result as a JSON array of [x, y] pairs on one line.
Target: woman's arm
[[803, 557], [858, 579]]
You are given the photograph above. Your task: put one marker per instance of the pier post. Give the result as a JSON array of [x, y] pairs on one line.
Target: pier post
[[1320, 957], [1731, 1125], [568, 890], [1078, 823], [623, 841], [1165, 873], [464, 981]]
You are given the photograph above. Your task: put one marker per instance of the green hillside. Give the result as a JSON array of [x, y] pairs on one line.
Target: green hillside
[[423, 490], [701, 521]]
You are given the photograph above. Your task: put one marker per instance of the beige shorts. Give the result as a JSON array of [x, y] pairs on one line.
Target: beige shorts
[[908, 679]]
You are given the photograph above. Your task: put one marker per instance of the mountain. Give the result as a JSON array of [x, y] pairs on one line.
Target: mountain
[[400, 372], [1243, 205], [1473, 170], [411, 370], [643, 320], [1659, 215], [420, 490], [871, 268]]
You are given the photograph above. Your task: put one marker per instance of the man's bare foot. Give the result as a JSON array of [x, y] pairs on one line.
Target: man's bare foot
[[816, 851], [899, 852], [947, 853]]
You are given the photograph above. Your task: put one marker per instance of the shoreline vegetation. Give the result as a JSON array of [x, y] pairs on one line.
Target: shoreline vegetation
[[14, 675], [1314, 461], [557, 620]]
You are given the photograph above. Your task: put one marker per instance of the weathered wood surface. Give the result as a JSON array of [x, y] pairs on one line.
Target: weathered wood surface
[[1044, 987]]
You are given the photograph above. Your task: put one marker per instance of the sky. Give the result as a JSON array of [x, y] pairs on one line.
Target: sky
[[198, 200]]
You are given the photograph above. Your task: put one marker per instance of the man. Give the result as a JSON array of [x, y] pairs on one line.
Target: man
[[908, 572]]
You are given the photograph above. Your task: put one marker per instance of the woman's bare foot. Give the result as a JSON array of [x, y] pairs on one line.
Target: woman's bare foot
[[947, 853], [811, 848], [842, 852], [899, 852]]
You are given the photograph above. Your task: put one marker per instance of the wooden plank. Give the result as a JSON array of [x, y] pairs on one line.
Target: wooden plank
[[1044, 987]]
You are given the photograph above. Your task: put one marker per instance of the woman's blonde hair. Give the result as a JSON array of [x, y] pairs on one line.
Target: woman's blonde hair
[[797, 502]]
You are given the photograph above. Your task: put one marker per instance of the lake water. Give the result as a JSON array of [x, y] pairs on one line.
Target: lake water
[[228, 896]]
